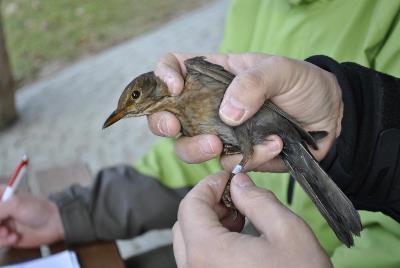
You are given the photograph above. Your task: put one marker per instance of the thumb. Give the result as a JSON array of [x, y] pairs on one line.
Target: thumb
[[242, 99], [260, 206], [249, 89]]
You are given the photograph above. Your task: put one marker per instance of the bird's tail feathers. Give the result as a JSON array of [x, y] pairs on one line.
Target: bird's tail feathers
[[333, 204]]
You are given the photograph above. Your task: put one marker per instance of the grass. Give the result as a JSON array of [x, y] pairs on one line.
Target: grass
[[48, 34]]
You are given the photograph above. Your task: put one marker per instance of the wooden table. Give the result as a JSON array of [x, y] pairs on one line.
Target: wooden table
[[91, 255]]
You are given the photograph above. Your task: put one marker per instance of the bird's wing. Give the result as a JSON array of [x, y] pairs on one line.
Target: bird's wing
[[199, 66], [309, 137]]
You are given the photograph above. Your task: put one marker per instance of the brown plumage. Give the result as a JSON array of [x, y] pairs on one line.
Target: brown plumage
[[197, 109]]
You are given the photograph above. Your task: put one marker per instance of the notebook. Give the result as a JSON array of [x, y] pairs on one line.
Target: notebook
[[64, 259]]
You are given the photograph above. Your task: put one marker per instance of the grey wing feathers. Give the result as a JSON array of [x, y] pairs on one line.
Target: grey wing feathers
[[201, 66], [307, 137]]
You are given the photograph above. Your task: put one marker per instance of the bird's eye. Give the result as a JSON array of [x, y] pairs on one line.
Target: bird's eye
[[135, 94]]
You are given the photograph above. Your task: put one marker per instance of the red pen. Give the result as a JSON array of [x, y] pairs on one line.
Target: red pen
[[16, 177]]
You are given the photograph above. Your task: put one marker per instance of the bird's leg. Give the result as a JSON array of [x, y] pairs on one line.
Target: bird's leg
[[230, 149], [226, 196], [243, 135]]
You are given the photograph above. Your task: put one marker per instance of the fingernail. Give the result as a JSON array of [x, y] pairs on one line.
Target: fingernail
[[206, 146], [214, 181], [171, 83], [273, 146], [162, 126], [242, 181], [232, 110]]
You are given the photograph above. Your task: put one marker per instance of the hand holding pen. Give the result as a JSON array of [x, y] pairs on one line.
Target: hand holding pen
[[26, 220]]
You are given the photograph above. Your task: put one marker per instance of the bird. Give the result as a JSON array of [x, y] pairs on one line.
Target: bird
[[197, 108]]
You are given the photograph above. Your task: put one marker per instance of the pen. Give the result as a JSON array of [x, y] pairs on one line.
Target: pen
[[16, 177]]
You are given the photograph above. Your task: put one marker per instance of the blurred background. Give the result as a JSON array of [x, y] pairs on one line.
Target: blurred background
[[44, 36], [64, 63]]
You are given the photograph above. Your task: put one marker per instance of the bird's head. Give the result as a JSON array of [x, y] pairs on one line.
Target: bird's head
[[142, 96]]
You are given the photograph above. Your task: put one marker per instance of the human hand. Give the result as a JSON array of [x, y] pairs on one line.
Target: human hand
[[303, 90], [204, 235], [28, 221]]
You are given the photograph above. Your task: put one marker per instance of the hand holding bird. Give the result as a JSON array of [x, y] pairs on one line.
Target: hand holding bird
[[197, 110], [301, 89]]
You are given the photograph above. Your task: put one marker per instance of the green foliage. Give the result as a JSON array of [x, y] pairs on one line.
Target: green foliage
[[54, 32]]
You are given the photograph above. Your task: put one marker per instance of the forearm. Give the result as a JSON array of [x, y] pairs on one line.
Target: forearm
[[365, 158], [122, 203]]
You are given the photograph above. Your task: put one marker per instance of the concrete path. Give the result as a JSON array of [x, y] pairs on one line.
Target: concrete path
[[61, 117]]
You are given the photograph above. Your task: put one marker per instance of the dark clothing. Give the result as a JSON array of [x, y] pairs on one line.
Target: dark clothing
[[365, 160], [122, 203]]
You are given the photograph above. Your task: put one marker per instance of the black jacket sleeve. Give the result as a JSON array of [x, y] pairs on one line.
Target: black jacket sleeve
[[365, 159], [121, 203]]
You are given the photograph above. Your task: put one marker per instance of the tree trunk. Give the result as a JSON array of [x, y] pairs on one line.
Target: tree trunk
[[7, 102]]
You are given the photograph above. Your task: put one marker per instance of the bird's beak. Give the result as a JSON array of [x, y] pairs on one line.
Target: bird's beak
[[114, 117]]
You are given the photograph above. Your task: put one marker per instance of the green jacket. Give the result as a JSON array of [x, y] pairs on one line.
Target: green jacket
[[362, 31]]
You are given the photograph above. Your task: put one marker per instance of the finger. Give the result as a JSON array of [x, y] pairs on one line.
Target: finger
[[10, 240], [274, 165], [171, 69], [261, 206], [233, 221], [179, 246], [164, 124], [236, 63], [2, 189], [230, 219], [199, 148], [264, 157], [8, 208], [249, 90], [196, 216], [3, 231]]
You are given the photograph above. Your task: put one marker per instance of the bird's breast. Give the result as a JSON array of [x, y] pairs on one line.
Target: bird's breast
[[199, 113]]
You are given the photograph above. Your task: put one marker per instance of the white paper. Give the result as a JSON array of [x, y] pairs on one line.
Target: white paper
[[64, 259]]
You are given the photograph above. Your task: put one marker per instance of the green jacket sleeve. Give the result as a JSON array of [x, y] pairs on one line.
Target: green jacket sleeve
[[378, 245], [388, 58]]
